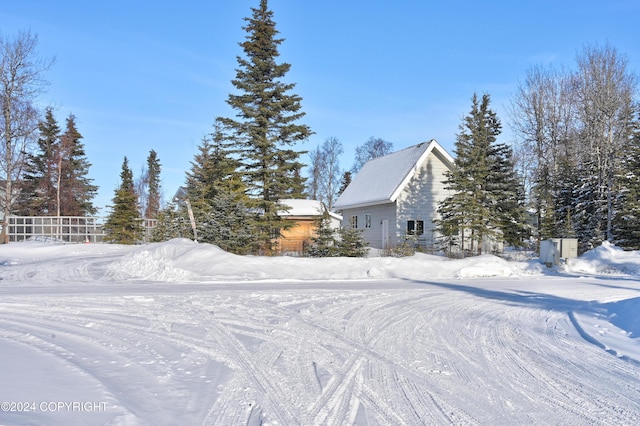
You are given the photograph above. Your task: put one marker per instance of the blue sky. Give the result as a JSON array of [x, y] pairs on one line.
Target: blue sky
[[142, 75]]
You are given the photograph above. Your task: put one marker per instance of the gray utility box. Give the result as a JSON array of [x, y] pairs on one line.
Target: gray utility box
[[554, 249]]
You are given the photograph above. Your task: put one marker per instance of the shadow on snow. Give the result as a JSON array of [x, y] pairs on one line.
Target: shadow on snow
[[622, 314]]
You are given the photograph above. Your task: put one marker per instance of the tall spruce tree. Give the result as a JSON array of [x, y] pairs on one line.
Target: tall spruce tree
[[266, 127], [75, 190], [508, 196], [123, 225], [55, 181], [37, 190], [154, 196], [627, 217], [484, 187]]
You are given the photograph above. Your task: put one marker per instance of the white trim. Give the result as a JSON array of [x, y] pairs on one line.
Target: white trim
[[433, 145]]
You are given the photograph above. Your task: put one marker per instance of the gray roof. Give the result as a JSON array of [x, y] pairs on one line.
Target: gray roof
[[382, 179]]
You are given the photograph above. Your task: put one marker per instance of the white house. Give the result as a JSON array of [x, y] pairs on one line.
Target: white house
[[397, 195]]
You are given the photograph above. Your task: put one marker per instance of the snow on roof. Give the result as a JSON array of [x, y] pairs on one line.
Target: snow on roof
[[382, 179], [299, 207]]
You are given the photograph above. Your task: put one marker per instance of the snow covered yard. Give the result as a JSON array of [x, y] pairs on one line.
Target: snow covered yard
[[183, 333]]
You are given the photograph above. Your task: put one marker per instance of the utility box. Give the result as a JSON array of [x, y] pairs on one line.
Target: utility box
[[568, 248], [554, 249]]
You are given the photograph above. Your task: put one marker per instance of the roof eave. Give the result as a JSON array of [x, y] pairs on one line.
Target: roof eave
[[362, 204], [433, 144]]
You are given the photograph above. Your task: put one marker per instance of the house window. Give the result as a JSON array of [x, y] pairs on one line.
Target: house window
[[415, 227], [367, 220], [354, 222]]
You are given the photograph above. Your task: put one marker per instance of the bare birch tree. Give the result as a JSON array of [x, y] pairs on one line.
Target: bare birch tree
[[325, 172], [21, 82], [542, 115], [372, 148]]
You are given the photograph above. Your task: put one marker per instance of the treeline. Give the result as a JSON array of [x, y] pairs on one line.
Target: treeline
[[579, 148], [54, 176]]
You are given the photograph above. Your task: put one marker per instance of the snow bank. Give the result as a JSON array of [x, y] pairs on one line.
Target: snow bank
[[28, 251], [624, 314], [181, 259], [613, 326], [606, 259]]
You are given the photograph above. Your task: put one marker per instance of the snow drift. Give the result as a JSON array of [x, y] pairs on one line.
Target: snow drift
[[185, 333], [181, 259]]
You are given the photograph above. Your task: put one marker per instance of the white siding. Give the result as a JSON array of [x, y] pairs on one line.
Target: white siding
[[416, 196], [420, 198], [378, 213]]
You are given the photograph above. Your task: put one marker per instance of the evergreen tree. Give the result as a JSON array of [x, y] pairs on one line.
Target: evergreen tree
[[224, 221], [346, 180], [266, 125], [508, 197], [450, 224], [75, 191], [123, 226], [38, 189], [55, 181], [216, 193], [486, 200], [201, 178], [153, 186], [351, 243], [323, 243], [627, 218], [566, 182], [214, 171], [340, 242], [173, 222]]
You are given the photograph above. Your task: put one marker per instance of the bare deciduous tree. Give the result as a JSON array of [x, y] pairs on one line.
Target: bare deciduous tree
[[21, 82], [605, 89], [373, 148], [542, 116], [315, 173], [325, 172], [574, 128]]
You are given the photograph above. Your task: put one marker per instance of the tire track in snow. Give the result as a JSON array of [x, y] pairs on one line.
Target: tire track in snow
[[403, 357], [145, 349], [73, 345], [382, 316]]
